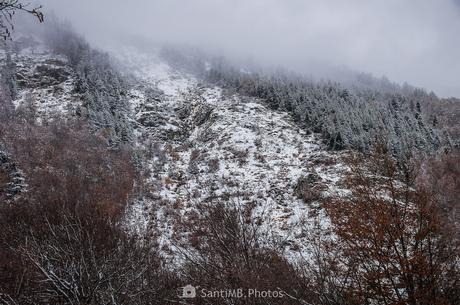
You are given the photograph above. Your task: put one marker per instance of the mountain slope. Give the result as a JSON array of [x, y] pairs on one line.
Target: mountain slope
[[156, 177], [45, 81], [204, 145]]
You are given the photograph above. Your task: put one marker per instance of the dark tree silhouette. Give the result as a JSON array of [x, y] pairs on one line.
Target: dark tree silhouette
[[8, 9]]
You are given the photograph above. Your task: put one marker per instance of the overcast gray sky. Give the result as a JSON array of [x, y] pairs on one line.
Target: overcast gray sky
[[417, 41]]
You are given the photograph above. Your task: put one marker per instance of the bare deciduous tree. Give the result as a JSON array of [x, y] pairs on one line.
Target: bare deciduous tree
[[8, 9], [231, 252], [61, 242], [390, 235]]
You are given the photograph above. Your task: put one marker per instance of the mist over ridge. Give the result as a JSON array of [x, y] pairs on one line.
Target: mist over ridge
[[406, 41]]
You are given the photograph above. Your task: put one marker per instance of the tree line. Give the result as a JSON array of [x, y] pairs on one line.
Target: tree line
[[348, 116]]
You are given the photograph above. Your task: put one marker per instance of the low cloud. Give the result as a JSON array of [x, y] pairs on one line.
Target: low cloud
[[406, 40]]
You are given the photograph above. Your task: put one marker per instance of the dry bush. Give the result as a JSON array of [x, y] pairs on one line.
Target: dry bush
[[195, 155], [308, 188], [75, 256], [321, 270], [240, 155], [214, 165]]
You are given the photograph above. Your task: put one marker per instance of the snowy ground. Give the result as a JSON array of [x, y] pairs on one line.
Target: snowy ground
[[208, 146], [200, 145], [45, 82]]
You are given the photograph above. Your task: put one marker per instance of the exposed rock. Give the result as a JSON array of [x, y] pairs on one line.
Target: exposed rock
[[201, 114], [151, 119], [50, 75]]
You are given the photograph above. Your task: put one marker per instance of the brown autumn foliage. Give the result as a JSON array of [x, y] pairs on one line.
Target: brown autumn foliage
[[390, 236], [441, 175], [64, 163], [61, 241]]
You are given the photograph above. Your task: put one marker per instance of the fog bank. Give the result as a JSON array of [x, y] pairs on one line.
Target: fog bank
[[406, 40]]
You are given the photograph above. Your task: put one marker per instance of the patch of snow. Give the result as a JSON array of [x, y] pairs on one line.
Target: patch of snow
[[46, 83], [213, 147]]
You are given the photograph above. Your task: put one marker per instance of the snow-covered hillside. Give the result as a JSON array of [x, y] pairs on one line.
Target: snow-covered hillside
[[207, 145], [45, 80], [142, 166], [199, 144]]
